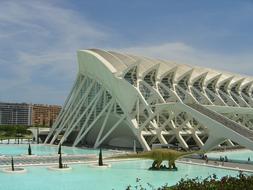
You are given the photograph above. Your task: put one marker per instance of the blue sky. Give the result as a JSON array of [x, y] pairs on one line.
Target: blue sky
[[39, 39]]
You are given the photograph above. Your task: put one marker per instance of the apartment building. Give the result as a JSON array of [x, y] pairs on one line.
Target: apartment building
[[28, 114], [15, 114], [44, 114]]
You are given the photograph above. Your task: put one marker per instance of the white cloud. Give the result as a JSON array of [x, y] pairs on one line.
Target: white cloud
[[38, 43], [184, 53], [42, 40]]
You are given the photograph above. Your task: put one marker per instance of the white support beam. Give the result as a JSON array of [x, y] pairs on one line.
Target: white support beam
[[75, 94], [76, 112], [92, 103], [161, 137], [73, 112], [189, 97], [81, 134], [197, 139], [241, 101], [181, 141], [104, 124], [110, 131], [202, 95], [153, 90], [143, 142], [147, 121], [218, 100], [230, 101], [171, 92], [66, 110]]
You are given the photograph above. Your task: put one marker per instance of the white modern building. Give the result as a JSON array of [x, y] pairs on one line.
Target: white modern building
[[118, 99]]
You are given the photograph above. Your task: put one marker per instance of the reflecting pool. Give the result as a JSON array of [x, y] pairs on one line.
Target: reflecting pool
[[119, 176], [241, 155], [40, 149]]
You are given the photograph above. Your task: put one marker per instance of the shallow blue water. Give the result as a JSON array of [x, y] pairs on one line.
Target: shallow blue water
[[119, 176], [15, 149], [242, 155]]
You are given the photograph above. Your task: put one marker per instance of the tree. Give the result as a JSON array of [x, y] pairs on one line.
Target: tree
[[29, 150], [38, 141], [12, 164], [60, 161], [100, 158], [59, 149]]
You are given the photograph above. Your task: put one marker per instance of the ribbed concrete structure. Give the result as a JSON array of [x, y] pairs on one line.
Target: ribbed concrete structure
[[120, 98]]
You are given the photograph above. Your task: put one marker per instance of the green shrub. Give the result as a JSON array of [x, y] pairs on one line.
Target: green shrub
[[13, 131], [240, 182]]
